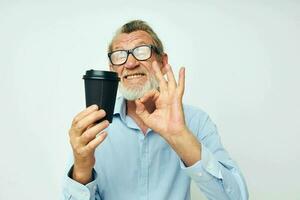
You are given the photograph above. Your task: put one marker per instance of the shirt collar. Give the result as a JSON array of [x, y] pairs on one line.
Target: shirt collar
[[120, 107]]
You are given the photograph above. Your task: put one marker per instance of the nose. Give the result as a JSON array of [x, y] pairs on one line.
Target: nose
[[131, 62]]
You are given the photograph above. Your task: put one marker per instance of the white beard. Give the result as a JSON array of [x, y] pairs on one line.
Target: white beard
[[138, 92]]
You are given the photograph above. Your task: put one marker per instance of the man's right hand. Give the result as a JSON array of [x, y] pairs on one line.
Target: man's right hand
[[84, 140]]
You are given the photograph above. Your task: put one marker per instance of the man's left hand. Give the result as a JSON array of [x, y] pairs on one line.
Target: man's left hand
[[168, 118]]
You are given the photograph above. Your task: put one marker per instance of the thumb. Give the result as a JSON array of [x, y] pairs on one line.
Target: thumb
[[141, 111]]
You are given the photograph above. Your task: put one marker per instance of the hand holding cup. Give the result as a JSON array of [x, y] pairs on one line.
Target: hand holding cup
[[84, 138]]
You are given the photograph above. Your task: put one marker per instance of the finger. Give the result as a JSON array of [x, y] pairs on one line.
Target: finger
[[171, 79], [164, 70], [90, 126], [95, 142], [84, 113], [150, 94], [181, 81], [141, 111], [82, 125], [91, 133], [162, 81]]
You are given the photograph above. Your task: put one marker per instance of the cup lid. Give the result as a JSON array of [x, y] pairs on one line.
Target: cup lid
[[99, 74]]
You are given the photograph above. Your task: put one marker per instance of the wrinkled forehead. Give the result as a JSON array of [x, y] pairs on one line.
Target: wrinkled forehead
[[131, 40]]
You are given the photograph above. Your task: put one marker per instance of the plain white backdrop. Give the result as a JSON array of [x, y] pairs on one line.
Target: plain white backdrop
[[242, 67]]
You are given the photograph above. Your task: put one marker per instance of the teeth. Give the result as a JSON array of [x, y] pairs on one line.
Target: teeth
[[133, 76]]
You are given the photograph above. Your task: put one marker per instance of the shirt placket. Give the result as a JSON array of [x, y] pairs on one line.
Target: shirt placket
[[144, 172]]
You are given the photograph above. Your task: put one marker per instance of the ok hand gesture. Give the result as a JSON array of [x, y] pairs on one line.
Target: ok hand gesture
[[168, 117]]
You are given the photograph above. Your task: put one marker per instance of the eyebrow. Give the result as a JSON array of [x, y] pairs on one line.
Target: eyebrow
[[119, 48]]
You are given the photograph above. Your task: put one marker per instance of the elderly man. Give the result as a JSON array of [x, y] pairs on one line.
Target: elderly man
[[155, 145]]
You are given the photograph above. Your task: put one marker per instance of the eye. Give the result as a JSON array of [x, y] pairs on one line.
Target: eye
[[119, 55], [142, 51]]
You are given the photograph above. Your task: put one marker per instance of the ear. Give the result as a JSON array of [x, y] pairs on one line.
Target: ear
[[111, 68], [165, 59], [164, 63]]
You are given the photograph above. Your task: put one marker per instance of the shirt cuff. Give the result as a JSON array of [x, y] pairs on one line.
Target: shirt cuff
[[205, 169], [75, 190]]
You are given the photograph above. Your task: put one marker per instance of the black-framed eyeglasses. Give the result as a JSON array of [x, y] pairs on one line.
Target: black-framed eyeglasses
[[141, 53]]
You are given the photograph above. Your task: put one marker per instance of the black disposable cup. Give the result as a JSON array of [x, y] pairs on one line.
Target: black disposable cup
[[101, 89]]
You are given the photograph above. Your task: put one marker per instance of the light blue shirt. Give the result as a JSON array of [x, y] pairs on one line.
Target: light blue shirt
[[133, 166]]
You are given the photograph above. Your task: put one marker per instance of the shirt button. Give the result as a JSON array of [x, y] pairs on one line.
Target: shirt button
[[228, 190], [199, 174], [210, 166]]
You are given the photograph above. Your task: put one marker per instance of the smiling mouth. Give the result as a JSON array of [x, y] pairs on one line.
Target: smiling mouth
[[132, 76]]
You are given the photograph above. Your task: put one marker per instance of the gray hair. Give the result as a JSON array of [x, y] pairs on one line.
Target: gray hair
[[139, 25]]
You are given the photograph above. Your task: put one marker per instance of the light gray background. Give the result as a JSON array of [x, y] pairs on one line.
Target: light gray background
[[242, 67]]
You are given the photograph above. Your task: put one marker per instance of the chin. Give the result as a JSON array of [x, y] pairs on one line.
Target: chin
[[132, 93], [138, 90]]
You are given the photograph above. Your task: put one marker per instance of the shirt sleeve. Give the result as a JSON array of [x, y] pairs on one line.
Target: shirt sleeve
[[73, 190], [216, 174]]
